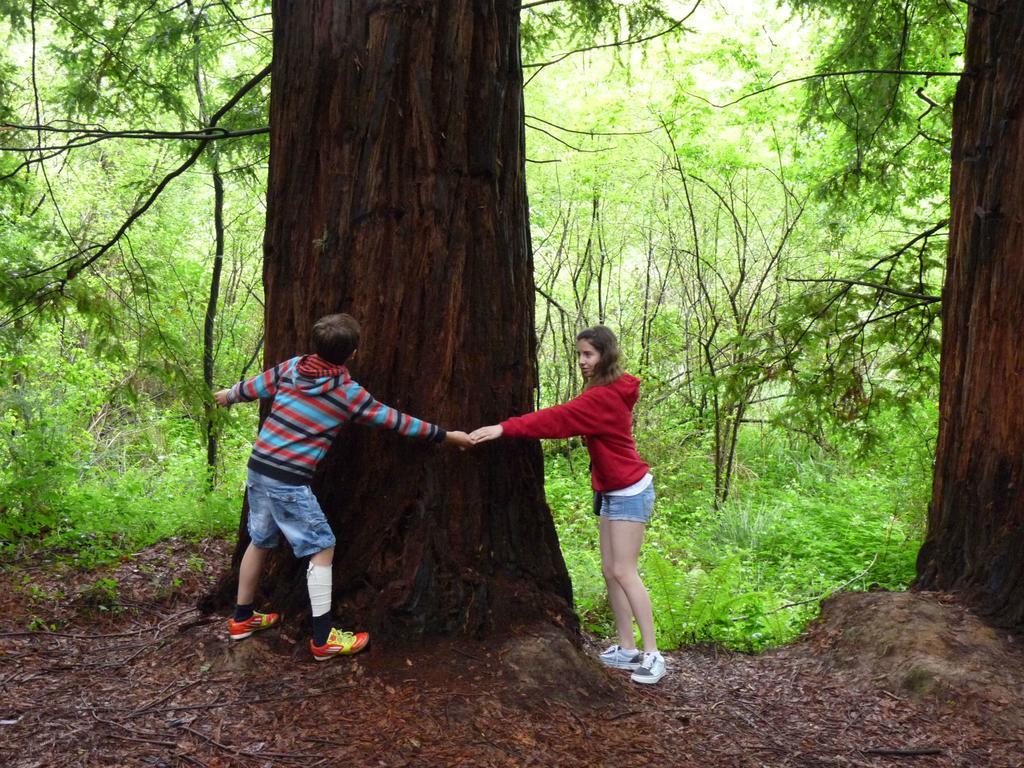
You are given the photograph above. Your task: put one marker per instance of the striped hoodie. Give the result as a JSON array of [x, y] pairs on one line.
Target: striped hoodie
[[312, 398]]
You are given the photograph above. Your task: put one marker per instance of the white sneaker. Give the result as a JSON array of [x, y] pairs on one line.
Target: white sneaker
[[650, 670], [621, 658]]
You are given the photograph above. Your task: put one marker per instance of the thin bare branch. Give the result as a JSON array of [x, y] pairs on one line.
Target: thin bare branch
[[822, 75], [593, 133], [564, 142], [88, 137]]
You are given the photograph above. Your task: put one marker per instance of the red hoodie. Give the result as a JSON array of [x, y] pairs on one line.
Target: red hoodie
[[604, 416]]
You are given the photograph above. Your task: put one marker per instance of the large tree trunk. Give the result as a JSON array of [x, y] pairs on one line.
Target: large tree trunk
[[397, 194], [975, 540]]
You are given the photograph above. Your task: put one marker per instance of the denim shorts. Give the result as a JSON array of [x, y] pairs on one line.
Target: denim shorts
[[279, 508], [636, 509]]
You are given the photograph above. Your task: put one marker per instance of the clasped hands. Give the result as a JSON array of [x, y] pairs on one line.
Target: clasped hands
[[477, 436]]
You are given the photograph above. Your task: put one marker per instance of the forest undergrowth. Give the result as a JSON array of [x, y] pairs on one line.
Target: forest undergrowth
[[804, 518]]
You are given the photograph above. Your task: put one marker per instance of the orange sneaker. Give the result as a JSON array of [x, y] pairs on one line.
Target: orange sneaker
[[339, 644], [239, 630]]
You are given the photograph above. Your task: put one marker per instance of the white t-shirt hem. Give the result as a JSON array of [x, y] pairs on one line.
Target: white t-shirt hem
[[632, 490]]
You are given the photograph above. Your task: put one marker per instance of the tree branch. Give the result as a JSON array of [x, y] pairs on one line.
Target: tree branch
[[822, 596], [552, 302], [562, 141], [923, 297], [88, 137], [931, 231], [821, 75], [252, 358], [592, 133], [57, 286]]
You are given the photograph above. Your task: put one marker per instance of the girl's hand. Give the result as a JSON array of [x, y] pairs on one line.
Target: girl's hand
[[221, 398], [484, 434]]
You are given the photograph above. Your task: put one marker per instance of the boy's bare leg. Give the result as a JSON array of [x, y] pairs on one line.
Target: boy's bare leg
[[323, 557], [249, 573]]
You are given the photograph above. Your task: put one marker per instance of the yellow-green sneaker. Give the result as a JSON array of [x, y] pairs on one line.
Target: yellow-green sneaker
[[339, 643]]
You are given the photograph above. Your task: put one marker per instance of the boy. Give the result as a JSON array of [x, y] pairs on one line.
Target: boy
[[313, 396]]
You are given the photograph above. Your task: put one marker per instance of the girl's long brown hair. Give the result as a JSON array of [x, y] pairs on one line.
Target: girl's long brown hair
[[608, 367]]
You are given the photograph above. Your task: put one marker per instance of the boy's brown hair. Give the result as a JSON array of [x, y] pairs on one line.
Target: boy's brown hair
[[335, 337], [609, 366]]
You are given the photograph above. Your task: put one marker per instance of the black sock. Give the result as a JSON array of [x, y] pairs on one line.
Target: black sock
[[243, 612], [321, 628]]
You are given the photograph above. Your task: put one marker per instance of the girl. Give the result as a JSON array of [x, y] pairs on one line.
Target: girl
[[622, 482]]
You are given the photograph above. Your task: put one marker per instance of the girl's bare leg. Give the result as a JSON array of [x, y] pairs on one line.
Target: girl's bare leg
[[625, 538], [619, 602]]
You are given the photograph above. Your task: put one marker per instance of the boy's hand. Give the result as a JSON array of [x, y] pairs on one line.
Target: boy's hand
[[221, 398], [484, 434], [461, 439]]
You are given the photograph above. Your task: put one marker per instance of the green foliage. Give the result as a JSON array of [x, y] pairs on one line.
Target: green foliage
[[885, 131], [584, 23], [804, 523], [89, 468], [789, 417], [127, 58]]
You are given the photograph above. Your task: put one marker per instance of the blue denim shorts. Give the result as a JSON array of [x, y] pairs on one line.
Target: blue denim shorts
[[279, 508], [636, 509]]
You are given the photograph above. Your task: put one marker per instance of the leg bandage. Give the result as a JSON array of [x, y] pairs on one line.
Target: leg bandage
[[318, 581]]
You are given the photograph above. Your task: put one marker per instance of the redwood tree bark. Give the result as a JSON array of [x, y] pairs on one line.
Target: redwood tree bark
[[397, 194], [975, 539]]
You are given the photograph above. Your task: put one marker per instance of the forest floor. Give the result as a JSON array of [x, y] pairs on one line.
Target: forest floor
[[120, 669]]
